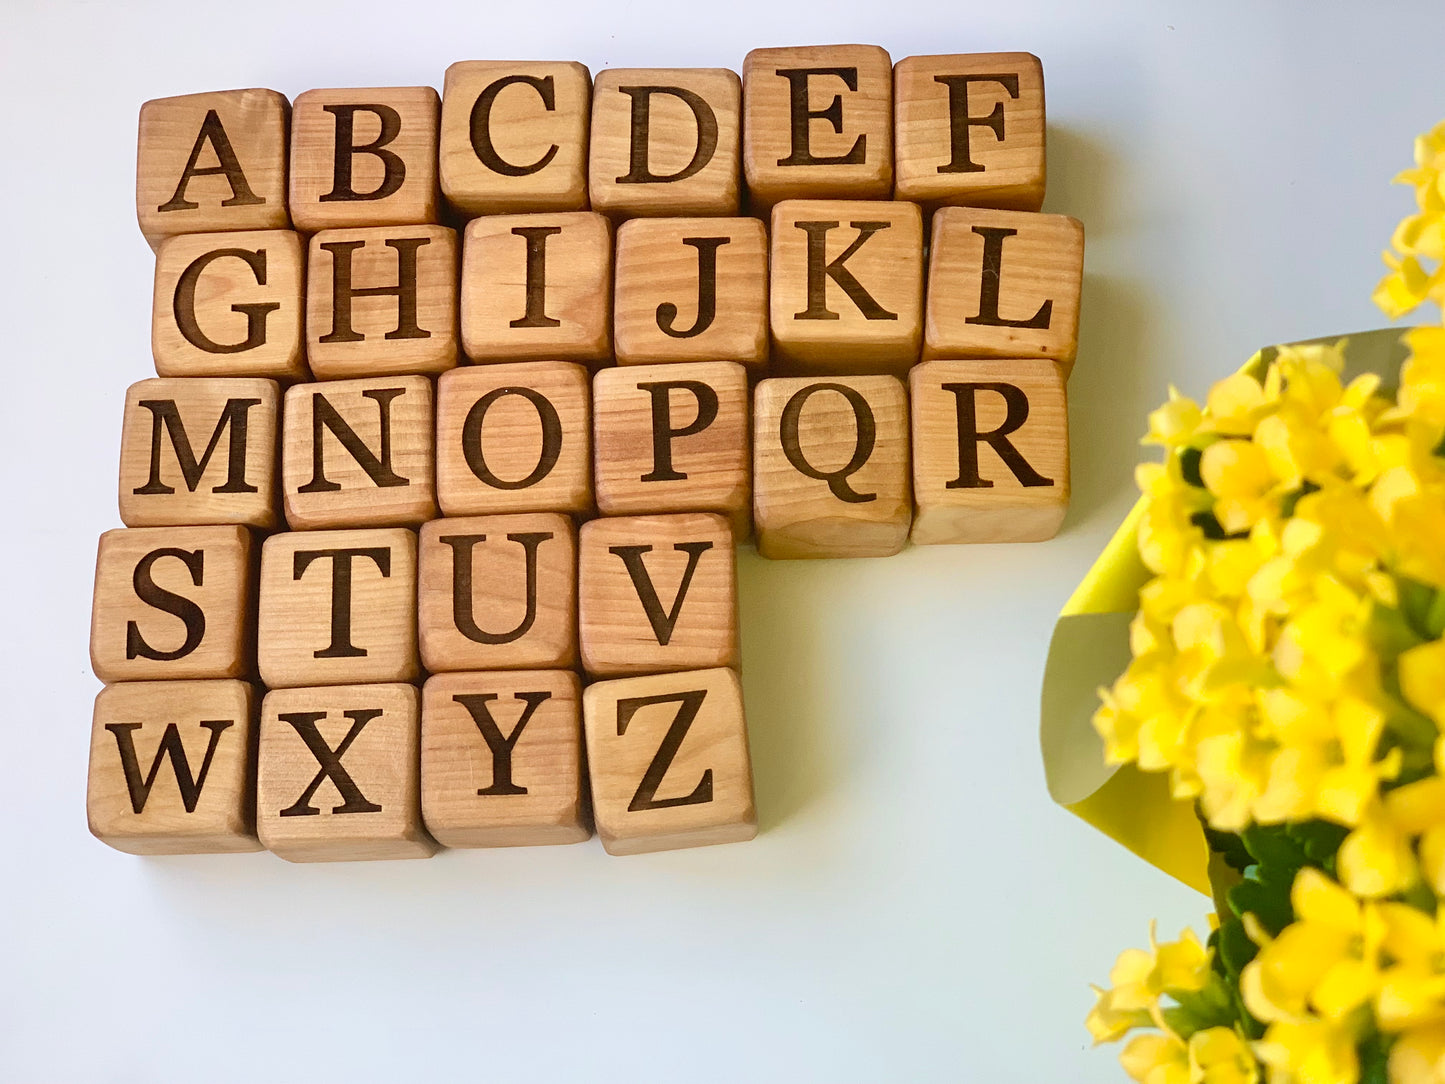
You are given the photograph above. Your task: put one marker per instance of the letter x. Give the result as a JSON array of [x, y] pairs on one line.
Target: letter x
[[353, 801]]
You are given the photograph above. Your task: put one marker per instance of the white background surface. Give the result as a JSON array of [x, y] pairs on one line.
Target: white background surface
[[915, 909]]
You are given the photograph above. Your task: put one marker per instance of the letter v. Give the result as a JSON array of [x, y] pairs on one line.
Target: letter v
[[662, 623]]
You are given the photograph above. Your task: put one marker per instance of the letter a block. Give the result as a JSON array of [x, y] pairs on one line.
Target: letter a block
[[668, 759], [501, 759], [171, 769], [338, 777]]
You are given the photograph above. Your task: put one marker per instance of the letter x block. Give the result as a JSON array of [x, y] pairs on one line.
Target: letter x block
[[668, 758]]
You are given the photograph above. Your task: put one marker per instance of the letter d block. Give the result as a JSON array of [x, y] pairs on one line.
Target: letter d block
[[668, 758]]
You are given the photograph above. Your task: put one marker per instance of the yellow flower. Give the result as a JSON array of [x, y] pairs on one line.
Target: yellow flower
[[1156, 1059], [1422, 677], [1173, 423], [1309, 1051], [1220, 1056], [1418, 1056], [1376, 859]]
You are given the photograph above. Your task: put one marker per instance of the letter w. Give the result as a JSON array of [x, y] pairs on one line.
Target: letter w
[[170, 746]]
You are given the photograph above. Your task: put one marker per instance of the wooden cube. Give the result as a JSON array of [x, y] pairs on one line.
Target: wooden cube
[[338, 776], [358, 453], [691, 289], [830, 467], [172, 603], [514, 438], [338, 607], [674, 438], [198, 451], [969, 129], [364, 157], [381, 300], [818, 123], [665, 141], [514, 136], [847, 286], [667, 755], [229, 304], [501, 759], [537, 287], [1004, 284], [171, 769], [657, 593], [498, 593], [990, 451], [212, 162]]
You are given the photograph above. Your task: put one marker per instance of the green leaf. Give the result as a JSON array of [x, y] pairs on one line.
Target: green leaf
[[1416, 600], [1189, 459], [1234, 948], [1229, 847], [1274, 846], [1321, 842], [1375, 1060], [1265, 895]]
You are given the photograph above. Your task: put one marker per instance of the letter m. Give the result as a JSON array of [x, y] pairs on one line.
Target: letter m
[[190, 784], [166, 420]]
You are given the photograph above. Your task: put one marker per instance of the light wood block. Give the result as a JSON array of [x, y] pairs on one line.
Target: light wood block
[[674, 438], [199, 451], [691, 289], [171, 769], [537, 288], [338, 777], [358, 453], [229, 304], [668, 758], [514, 136], [498, 593], [818, 123], [830, 467], [501, 759], [212, 162], [990, 451], [364, 157], [514, 438], [381, 300], [969, 129], [338, 607], [657, 593], [172, 603], [847, 286], [665, 141], [1004, 284]]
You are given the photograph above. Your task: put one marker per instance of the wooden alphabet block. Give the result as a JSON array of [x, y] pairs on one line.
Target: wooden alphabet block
[[212, 162], [514, 136], [171, 770], [364, 157], [514, 438], [338, 778], [830, 467], [674, 438], [847, 286], [990, 451], [691, 289], [501, 759], [665, 141], [969, 129], [668, 758], [537, 287], [498, 593], [338, 607], [199, 451], [172, 603], [381, 300], [657, 593], [818, 123], [358, 453], [229, 304], [1004, 284]]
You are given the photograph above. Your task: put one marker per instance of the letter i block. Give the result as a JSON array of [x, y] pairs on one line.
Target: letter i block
[[337, 607], [199, 451], [501, 759], [990, 451], [847, 286], [498, 593], [358, 453], [657, 593], [172, 603], [202, 801], [338, 776], [830, 467], [668, 758], [211, 162]]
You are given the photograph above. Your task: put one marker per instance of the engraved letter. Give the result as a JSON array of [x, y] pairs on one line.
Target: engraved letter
[[481, 125], [706, 291], [341, 646], [404, 291], [820, 269], [165, 417], [1017, 404], [227, 163], [993, 237], [788, 432], [152, 594], [463, 615], [638, 170], [500, 745], [347, 150], [183, 304], [352, 800], [688, 704], [663, 624], [800, 116], [170, 746], [551, 438], [959, 120]]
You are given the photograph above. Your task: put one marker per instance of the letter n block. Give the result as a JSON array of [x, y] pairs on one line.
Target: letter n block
[[668, 758]]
